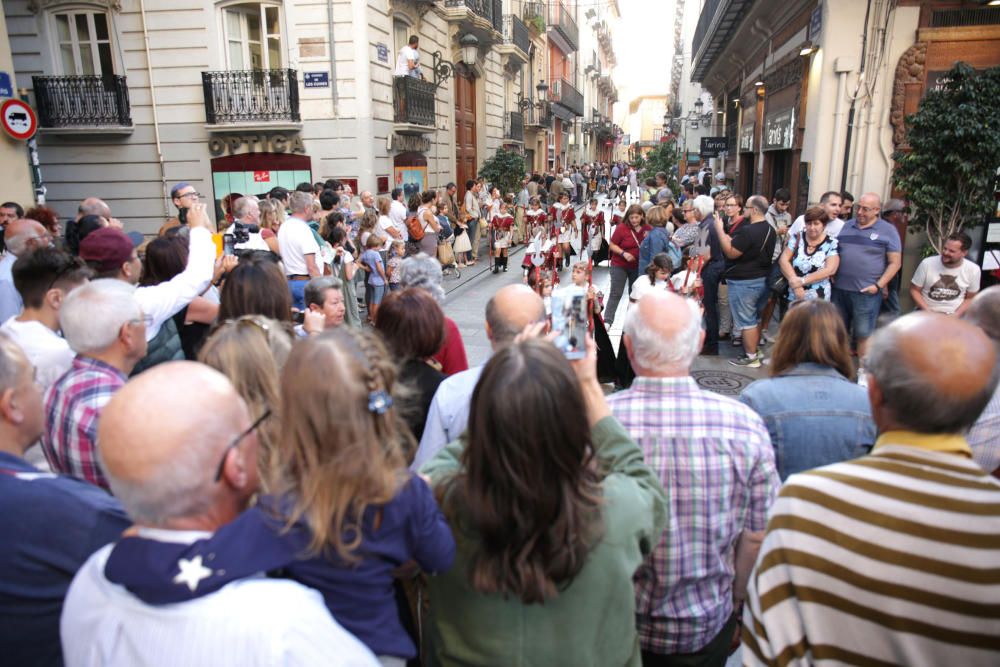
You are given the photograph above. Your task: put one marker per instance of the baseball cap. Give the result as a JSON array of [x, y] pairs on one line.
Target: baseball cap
[[108, 248], [177, 188]]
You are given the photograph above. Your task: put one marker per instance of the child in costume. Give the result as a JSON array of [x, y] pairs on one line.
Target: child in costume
[[503, 233], [564, 229]]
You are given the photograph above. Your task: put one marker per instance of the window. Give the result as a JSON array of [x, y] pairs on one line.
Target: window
[[84, 43], [253, 36], [401, 34]]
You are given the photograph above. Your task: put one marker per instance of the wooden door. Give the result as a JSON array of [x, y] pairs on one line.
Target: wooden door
[[465, 129]]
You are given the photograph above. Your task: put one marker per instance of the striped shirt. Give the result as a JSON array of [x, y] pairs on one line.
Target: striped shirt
[[893, 558], [72, 407], [715, 460]]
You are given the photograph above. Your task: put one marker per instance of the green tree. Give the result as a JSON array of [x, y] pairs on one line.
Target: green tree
[[665, 158], [954, 153], [505, 170]]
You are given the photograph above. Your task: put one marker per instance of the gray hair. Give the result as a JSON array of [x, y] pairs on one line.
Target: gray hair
[[984, 312], [911, 394], [94, 206], [653, 352], [704, 206], [242, 205], [316, 289], [758, 202], [424, 272], [17, 243], [300, 202], [13, 362], [93, 314]]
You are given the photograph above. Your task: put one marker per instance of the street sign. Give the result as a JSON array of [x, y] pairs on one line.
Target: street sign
[[6, 86], [383, 52], [18, 119], [316, 79], [815, 25], [713, 146]]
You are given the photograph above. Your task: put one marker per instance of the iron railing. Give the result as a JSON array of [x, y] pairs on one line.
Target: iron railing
[[516, 33], [535, 117], [717, 24], [413, 101], [561, 19], [82, 101], [513, 128], [565, 94], [491, 10], [534, 15], [246, 96]]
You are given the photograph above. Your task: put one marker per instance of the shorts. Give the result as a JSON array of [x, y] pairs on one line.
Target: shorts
[[746, 299], [858, 309], [374, 294]]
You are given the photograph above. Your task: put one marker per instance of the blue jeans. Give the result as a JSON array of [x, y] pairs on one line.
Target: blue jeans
[[298, 290], [858, 309], [746, 299]]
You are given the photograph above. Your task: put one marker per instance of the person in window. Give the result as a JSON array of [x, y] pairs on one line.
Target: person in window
[[408, 62]]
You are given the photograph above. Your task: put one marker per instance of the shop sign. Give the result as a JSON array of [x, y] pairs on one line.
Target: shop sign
[[409, 142], [256, 143], [262, 177], [714, 146], [779, 130], [746, 138]]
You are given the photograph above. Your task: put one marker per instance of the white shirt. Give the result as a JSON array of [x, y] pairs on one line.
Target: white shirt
[[250, 622], [295, 241], [385, 223], [402, 66], [642, 286], [448, 415], [10, 298], [397, 213], [161, 302], [47, 351], [943, 287], [832, 228]]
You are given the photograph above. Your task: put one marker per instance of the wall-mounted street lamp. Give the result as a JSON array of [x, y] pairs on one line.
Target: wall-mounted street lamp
[[444, 69]]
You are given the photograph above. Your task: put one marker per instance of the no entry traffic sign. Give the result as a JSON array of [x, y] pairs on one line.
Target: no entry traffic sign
[[18, 119]]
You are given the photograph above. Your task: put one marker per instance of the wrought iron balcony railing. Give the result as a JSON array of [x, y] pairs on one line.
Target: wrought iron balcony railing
[[413, 101], [561, 19], [717, 25], [491, 10], [82, 101], [248, 96], [535, 117], [514, 126], [564, 93], [516, 33], [534, 16]]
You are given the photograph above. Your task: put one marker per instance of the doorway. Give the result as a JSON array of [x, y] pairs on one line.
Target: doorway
[[465, 128]]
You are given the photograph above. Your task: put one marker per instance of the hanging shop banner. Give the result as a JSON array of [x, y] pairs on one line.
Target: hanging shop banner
[[779, 130], [714, 146], [746, 138]]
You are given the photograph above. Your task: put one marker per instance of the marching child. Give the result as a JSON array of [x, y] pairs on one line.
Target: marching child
[[503, 233]]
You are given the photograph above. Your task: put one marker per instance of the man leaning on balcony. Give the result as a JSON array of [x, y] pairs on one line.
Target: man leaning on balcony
[[408, 62]]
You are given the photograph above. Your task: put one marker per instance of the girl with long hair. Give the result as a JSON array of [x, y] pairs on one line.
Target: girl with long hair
[[553, 510]]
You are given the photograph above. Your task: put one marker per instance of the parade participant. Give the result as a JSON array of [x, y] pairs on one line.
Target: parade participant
[[625, 242], [545, 541], [144, 600], [592, 229], [655, 277], [502, 231], [563, 217], [618, 214]]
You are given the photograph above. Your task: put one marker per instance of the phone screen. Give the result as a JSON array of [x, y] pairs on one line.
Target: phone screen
[[228, 244]]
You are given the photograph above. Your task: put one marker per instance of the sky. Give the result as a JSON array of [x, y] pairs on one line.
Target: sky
[[643, 42]]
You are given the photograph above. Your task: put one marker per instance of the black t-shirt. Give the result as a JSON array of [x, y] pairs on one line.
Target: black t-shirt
[[756, 242]]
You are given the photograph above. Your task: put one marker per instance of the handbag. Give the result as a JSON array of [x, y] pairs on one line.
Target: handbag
[[445, 254]]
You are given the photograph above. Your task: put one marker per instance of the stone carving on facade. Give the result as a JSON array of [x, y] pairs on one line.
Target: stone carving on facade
[[38, 6], [909, 71]]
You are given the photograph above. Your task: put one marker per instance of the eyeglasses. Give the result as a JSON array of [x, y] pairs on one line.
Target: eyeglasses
[[238, 439], [196, 195], [868, 208]]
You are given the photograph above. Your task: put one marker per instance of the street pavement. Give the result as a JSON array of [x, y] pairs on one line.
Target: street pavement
[[466, 305]]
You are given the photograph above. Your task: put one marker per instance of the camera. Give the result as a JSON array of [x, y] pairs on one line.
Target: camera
[[571, 321], [241, 232]]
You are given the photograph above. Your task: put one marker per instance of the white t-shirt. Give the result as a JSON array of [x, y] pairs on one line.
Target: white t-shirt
[[397, 213], [385, 223], [295, 241], [832, 228], [945, 288], [642, 286], [47, 351], [402, 65]]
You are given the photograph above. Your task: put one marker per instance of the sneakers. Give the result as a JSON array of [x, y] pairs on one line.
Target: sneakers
[[748, 361]]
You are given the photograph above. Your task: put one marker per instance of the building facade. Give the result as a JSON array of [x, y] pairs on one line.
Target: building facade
[[643, 123], [598, 132], [239, 97], [13, 152]]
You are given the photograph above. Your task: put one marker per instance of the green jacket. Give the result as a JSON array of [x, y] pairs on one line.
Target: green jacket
[[590, 623]]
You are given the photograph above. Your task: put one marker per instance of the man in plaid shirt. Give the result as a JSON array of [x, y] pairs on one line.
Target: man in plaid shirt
[[716, 462], [105, 326]]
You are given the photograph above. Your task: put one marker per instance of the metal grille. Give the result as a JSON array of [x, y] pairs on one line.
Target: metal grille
[[564, 93], [82, 101], [243, 96], [491, 10], [562, 20], [514, 127], [516, 33], [955, 18], [413, 101]]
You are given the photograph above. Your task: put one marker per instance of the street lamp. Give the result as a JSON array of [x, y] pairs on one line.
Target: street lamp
[[543, 91], [470, 48]]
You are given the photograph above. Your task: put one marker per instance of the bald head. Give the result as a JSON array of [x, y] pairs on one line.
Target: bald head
[[984, 312], [93, 206], [869, 208], [160, 446], [932, 373], [23, 235], [663, 334], [510, 310]]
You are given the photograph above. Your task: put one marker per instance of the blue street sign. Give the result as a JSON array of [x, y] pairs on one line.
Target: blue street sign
[[316, 79]]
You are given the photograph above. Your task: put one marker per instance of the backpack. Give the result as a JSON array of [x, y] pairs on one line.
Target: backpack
[[415, 228]]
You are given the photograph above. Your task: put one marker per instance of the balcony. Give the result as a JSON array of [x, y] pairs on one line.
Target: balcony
[[413, 105], [565, 95], [513, 127], [534, 17], [247, 99], [536, 118], [83, 103], [716, 28], [484, 14], [516, 41], [564, 27]]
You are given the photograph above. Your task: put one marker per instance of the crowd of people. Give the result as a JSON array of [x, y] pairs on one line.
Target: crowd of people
[[260, 441]]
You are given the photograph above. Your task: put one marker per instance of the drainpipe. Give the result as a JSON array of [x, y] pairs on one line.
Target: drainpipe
[[333, 55], [854, 100], [842, 67], [156, 121], [363, 96]]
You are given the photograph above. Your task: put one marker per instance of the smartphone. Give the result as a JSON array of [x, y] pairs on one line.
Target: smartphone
[[570, 321], [228, 244]]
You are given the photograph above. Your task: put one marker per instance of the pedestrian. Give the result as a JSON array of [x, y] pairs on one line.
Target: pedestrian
[[473, 215], [300, 252], [425, 272], [375, 289], [947, 283], [810, 258], [625, 242], [984, 312]]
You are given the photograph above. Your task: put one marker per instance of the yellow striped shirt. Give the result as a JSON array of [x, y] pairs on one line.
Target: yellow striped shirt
[[890, 559]]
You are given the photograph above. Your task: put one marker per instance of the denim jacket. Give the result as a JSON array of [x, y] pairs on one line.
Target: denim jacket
[[815, 417], [657, 241]]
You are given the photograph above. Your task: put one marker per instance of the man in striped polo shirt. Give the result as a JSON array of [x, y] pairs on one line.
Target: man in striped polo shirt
[[893, 558]]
